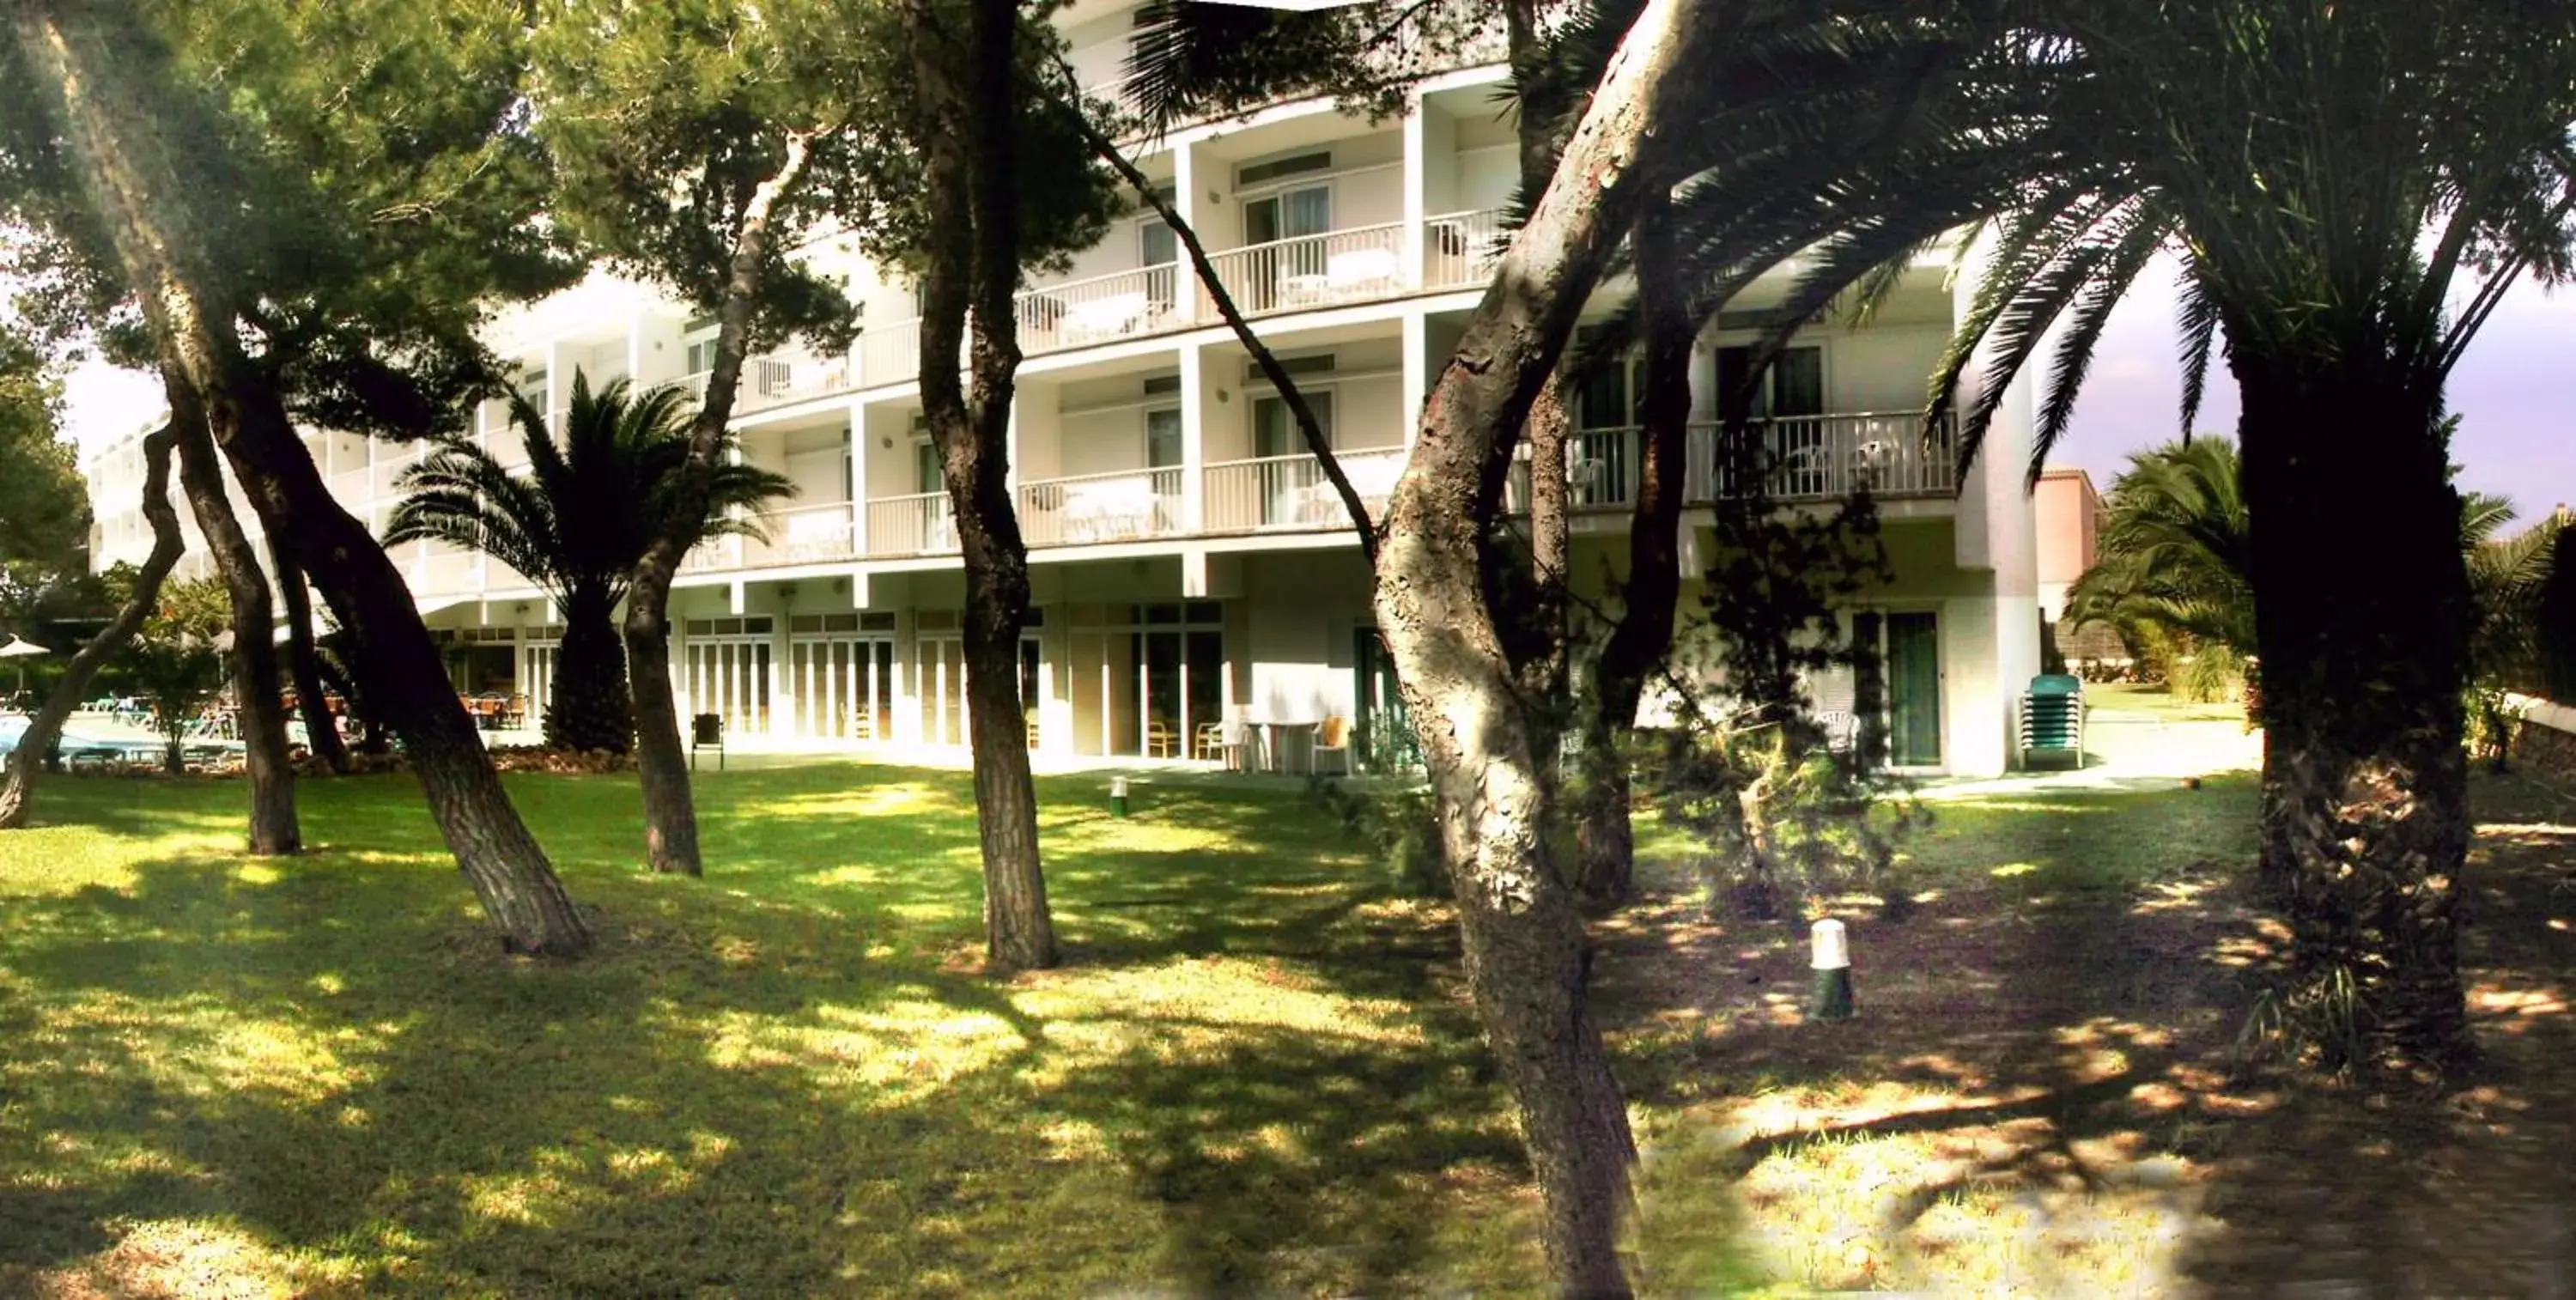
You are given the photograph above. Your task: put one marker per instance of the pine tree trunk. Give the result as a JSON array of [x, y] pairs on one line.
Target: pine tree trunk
[[97, 77], [661, 758], [1523, 939], [588, 707], [969, 111], [2362, 614], [1605, 840], [266, 769], [18, 774], [304, 663]]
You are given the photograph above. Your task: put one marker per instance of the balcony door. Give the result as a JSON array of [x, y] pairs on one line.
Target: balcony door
[[1159, 252], [1289, 474], [1285, 274], [1790, 403]]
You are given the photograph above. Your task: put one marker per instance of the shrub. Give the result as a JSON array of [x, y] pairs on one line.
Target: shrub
[[1400, 825]]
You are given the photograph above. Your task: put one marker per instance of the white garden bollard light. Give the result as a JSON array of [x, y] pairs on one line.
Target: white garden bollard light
[[1832, 963], [1117, 796]]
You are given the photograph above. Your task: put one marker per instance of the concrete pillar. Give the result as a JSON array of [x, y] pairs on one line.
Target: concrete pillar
[[1415, 196], [1193, 440]]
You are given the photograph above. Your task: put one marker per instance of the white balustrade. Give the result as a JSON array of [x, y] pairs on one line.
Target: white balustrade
[[1459, 250], [918, 524], [1291, 492], [1122, 506], [1338, 266], [816, 534], [1103, 309]]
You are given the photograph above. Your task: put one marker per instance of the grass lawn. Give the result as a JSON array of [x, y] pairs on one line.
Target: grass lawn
[[2159, 702], [1255, 1076]]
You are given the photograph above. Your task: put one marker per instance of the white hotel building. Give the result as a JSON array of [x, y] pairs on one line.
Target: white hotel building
[[1188, 563]]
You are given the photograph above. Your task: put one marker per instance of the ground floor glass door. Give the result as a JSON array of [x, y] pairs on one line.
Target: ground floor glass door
[[1914, 689], [1382, 731], [844, 687], [939, 665], [729, 677], [537, 660]]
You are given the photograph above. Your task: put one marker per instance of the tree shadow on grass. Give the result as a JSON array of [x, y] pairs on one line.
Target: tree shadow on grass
[[2044, 1078], [741, 1093]]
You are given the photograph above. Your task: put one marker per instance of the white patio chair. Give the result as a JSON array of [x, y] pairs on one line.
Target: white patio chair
[[1361, 271]]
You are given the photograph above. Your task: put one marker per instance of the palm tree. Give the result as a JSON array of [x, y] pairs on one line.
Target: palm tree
[[2349, 189], [575, 524]]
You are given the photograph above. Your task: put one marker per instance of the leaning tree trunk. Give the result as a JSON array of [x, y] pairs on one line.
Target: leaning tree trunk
[[969, 114], [98, 79], [661, 758], [303, 661], [1523, 939], [1605, 840], [18, 784], [2362, 616], [266, 769], [588, 707]]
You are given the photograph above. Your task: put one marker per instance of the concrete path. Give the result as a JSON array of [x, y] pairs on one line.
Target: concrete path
[[2129, 750]]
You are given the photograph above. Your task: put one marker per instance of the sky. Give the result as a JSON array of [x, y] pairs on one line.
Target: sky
[[2515, 392]]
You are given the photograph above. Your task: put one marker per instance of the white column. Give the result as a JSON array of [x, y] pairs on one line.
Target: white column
[[1414, 193], [1193, 442]]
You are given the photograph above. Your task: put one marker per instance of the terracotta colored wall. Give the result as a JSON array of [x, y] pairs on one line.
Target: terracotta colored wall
[[2066, 506]]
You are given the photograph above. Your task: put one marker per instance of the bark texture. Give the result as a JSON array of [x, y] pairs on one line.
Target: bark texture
[[661, 757], [303, 660], [97, 76], [1648, 598], [267, 772], [2362, 621], [18, 775], [1523, 937], [588, 707], [968, 122]]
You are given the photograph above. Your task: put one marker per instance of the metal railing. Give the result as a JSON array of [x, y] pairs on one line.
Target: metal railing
[[1122, 506], [1601, 470], [919, 524], [1824, 457], [790, 375], [1103, 309], [713, 554], [1291, 492], [889, 354], [806, 535], [1460, 249], [1338, 266]]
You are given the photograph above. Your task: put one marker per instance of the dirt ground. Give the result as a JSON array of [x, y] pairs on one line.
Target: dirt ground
[[2046, 1092]]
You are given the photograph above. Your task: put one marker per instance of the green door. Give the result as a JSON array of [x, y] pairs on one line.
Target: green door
[[1914, 689]]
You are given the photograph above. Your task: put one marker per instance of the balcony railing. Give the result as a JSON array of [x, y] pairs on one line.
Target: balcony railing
[[779, 378], [1813, 458], [1460, 249], [1103, 309], [1290, 493], [1127, 505], [1338, 266], [919, 524], [806, 535], [713, 554]]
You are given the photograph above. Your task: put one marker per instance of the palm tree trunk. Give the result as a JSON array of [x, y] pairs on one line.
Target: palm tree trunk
[[2362, 614], [18, 784], [588, 708], [95, 75], [304, 663], [267, 771], [968, 94], [1523, 939], [1604, 838]]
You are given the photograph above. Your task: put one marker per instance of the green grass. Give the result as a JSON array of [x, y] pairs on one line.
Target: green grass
[[2160, 702], [783, 1080], [1255, 1075]]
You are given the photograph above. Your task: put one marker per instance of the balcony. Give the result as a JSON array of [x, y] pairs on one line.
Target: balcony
[[1291, 494], [1123, 506], [918, 524], [1814, 458], [1103, 309], [807, 535], [1459, 250]]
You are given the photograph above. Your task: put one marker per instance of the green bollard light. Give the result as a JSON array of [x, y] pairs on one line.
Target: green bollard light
[[1117, 796], [1832, 963]]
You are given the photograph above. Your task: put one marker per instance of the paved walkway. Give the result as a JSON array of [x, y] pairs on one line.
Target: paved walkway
[[2129, 750]]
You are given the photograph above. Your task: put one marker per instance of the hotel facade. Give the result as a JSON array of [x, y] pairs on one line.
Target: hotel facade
[[1189, 563]]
